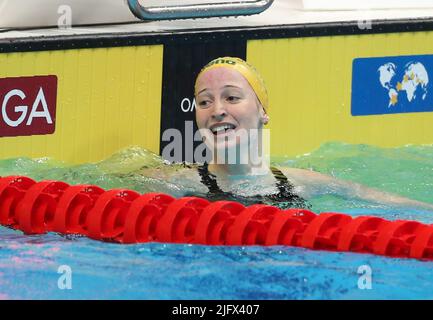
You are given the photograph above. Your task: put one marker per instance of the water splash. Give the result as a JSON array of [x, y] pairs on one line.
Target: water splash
[[161, 271]]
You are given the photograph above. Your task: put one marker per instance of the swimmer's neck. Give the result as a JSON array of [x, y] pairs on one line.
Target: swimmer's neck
[[237, 169], [242, 165]]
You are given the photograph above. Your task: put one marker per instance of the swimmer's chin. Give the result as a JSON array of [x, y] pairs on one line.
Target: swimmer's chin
[[226, 146]]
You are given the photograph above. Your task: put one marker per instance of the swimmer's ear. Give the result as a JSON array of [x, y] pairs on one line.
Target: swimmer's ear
[[264, 116]]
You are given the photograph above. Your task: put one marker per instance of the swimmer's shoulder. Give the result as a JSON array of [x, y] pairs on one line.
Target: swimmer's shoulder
[[187, 175], [183, 175], [302, 174], [307, 182], [167, 171]]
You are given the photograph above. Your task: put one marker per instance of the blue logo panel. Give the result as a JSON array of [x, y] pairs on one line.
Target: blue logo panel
[[390, 85]]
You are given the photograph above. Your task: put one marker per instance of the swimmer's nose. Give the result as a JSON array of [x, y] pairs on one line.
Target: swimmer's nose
[[219, 111]]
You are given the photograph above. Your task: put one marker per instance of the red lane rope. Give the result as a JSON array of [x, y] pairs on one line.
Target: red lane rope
[[125, 216]]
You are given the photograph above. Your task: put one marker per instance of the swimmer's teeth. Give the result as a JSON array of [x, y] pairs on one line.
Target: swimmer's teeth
[[222, 128]]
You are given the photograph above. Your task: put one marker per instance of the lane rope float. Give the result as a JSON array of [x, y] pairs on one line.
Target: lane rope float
[[125, 216]]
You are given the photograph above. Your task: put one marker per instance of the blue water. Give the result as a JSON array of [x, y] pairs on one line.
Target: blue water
[[29, 264]]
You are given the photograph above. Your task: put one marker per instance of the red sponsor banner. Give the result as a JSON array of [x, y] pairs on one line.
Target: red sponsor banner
[[28, 106]]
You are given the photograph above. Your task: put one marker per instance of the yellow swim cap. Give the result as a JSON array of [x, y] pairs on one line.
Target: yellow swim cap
[[248, 71]]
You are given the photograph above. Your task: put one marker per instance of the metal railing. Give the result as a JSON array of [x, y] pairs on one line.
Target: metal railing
[[191, 11]]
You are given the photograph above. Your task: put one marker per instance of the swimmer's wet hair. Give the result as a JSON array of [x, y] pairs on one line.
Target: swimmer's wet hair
[[248, 71]]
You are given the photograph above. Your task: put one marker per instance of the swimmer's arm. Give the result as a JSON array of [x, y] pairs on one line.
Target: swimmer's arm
[[310, 184], [185, 177]]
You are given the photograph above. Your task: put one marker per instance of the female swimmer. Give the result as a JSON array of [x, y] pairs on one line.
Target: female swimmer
[[230, 98]]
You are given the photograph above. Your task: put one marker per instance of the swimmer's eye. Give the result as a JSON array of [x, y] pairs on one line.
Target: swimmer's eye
[[204, 103], [233, 99]]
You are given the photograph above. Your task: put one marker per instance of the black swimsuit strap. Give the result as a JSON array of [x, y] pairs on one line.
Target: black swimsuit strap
[[285, 195], [281, 178], [209, 180]]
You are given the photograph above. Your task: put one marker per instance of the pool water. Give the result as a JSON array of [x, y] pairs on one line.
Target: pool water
[[29, 264]]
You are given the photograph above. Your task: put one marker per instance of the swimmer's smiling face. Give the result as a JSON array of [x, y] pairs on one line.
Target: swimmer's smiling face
[[226, 103]]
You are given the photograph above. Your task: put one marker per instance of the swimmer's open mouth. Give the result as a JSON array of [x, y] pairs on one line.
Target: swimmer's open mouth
[[222, 128]]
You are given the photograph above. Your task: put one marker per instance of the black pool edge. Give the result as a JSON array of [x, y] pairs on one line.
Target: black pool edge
[[122, 39]]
